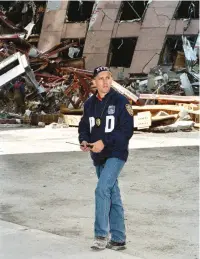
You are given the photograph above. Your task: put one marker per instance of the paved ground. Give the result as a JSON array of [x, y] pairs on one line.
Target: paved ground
[[54, 140], [18, 242], [53, 192]]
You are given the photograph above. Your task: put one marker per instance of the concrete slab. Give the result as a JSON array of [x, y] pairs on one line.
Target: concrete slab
[[105, 20], [164, 4], [109, 4], [74, 30], [49, 40], [151, 39], [49, 25], [123, 30], [177, 27], [147, 58], [93, 60], [97, 42], [18, 242], [158, 17]]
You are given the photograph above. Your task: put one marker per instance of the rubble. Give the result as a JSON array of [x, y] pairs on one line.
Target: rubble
[[166, 118], [161, 98], [177, 126], [57, 85]]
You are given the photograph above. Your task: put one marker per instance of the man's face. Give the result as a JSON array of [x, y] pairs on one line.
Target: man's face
[[103, 82]]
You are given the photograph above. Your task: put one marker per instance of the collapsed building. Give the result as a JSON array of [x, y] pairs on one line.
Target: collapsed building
[[130, 37], [151, 47]]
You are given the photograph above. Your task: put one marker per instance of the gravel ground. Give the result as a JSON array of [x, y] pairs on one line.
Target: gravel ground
[[54, 192]]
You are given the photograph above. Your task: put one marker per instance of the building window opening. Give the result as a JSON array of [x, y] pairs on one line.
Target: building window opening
[[132, 10], [75, 51], [173, 53], [187, 10], [121, 52], [79, 11], [39, 16]]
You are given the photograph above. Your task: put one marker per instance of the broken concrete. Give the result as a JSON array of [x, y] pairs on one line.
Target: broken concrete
[[185, 83], [177, 126]]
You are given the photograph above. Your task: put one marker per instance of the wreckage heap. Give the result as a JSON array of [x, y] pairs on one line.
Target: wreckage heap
[[57, 84]]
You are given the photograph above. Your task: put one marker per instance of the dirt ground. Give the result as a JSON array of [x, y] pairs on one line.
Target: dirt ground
[[54, 192]]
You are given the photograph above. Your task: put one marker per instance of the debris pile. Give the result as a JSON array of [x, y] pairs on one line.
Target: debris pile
[[167, 118], [180, 79], [165, 95], [39, 81], [43, 87]]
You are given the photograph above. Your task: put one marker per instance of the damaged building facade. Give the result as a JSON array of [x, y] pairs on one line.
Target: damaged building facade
[[49, 49], [130, 37]]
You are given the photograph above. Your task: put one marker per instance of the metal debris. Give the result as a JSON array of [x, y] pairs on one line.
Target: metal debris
[[57, 84]]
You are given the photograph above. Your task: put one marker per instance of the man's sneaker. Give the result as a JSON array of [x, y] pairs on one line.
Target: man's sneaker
[[100, 243], [116, 245]]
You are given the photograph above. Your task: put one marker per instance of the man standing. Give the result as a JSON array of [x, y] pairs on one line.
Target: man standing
[[107, 125]]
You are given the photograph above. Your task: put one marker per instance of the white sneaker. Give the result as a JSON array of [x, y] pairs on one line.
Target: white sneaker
[[99, 243]]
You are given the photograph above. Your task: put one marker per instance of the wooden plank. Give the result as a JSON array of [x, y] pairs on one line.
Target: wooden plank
[[157, 108], [189, 106], [171, 98], [171, 109], [124, 91], [197, 125], [162, 118], [65, 110], [195, 115], [72, 120]]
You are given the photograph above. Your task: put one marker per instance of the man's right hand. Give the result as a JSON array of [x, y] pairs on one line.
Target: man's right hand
[[84, 147]]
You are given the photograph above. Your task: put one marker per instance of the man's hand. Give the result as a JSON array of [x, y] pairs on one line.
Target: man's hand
[[98, 146], [84, 147]]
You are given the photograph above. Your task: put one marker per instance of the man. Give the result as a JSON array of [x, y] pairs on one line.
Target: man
[[107, 125]]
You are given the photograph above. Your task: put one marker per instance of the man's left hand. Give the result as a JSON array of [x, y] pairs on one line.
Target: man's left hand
[[98, 146]]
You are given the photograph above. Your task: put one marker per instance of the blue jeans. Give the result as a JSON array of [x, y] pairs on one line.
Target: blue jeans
[[109, 212]]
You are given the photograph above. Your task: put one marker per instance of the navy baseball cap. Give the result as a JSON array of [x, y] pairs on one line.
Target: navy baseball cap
[[100, 69]]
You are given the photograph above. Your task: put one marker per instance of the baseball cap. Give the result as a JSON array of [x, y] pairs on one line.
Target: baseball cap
[[100, 69]]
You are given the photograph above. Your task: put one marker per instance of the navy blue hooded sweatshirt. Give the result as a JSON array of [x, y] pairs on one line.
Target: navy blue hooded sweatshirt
[[116, 127]]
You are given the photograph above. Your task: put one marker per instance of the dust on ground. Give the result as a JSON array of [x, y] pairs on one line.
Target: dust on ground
[[54, 192]]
